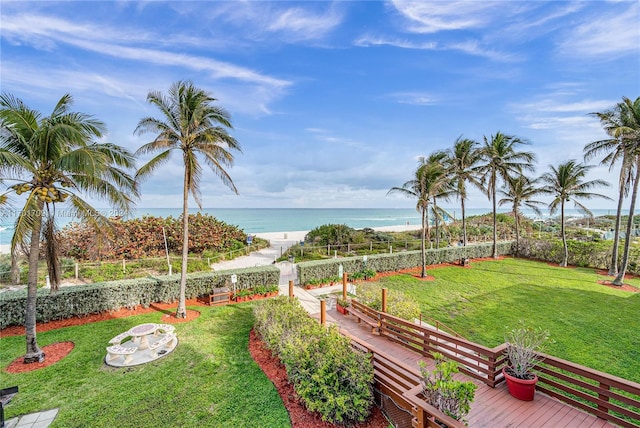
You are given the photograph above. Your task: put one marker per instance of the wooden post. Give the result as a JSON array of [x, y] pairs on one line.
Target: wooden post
[[290, 288], [77, 268], [344, 286], [384, 300], [323, 312], [124, 268]]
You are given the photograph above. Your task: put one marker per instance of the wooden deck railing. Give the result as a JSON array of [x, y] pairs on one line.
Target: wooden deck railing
[[604, 395], [402, 383]]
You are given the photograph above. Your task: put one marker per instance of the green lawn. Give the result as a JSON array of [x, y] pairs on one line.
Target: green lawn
[[209, 380], [590, 324]]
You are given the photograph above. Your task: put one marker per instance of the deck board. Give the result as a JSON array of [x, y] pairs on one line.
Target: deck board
[[492, 407]]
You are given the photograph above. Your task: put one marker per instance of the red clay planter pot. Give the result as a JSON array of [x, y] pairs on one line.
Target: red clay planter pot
[[522, 389]]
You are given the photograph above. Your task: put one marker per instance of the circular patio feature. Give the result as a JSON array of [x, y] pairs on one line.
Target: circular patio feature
[[141, 344]]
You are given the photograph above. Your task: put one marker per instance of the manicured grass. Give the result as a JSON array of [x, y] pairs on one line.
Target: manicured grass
[[590, 324], [209, 380]]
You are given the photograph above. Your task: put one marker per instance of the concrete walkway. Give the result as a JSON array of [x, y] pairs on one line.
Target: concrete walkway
[[33, 420]]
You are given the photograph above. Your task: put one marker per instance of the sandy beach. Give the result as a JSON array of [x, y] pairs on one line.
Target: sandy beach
[[298, 235]]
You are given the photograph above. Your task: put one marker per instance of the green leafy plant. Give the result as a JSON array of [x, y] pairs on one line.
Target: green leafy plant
[[450, 396], [327, 373], [345, 303], [524, 345]]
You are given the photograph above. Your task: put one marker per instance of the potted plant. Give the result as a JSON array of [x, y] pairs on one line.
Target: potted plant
[[342, 304], [524, 347], [243, 295], [452, 397]]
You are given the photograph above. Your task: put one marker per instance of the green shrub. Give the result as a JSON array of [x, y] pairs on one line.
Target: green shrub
[[398, 304], [327, 373], [450, 396], [82, 300]]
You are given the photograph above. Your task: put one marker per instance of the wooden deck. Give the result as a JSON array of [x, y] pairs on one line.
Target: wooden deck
[[492, 407]]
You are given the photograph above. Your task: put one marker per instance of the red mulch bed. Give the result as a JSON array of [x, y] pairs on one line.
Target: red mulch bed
[[54, 353], [624, 287], [300, 417], [169, 310]]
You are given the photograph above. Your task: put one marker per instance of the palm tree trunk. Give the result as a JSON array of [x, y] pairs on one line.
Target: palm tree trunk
[[613, 267], [495, 223], [628, 238], [181, 312], [515, 215], [565, 260], [423, 272], [51, 252], [464, 224], [15, 268], [435, 217], [34, 353]]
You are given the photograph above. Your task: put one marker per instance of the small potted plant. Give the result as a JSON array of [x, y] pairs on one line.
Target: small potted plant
[[243, 295], [524, 347], [342, 304]]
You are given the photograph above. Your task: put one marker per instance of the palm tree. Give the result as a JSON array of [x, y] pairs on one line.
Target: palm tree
[[630, 133], [520, 191], [616, 150], [53, 159], [440, 187], [192, 124], [462, 161], [501, 160], [566, 182]]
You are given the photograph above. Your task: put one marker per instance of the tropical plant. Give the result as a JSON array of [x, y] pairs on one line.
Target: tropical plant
[[192, 124], [623, 124], [500, 159], [521, 191], [54, 160], [461, 166], [565, 183], [617, 150], [429, 179], [524, 345], [441, 188], [441, 390]]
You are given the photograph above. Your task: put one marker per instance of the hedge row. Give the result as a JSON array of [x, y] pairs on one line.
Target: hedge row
[[327, 373], [586, 254], [321, 269], [83, 300]]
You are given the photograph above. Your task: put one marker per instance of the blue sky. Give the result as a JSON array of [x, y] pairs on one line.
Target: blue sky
[[333, 102]]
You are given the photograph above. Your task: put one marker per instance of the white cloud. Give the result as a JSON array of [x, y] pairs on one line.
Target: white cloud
[[300, 24], [413, 98], [435, 16], [610, 34], [38, 30]]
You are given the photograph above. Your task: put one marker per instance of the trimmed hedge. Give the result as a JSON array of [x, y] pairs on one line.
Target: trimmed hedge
[[586, 254], [327, 373], [321, 269], [83, 300]]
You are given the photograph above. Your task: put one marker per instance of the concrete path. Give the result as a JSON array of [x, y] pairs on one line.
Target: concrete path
[[33, 420]]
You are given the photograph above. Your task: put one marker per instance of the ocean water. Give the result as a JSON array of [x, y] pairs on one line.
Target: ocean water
[[257, 220]]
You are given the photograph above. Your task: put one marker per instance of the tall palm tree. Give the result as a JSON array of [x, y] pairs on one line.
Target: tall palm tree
[[500, 159], [521, 190], [565, 183], [616, 150], [53, 159], [463, 158], [192, 124], [440, 187], [630, 133]]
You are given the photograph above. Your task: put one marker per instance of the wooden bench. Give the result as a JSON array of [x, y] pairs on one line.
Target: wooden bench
[[119, 338], [115, 351], [168, 338], [218, 296], [363, 313]]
